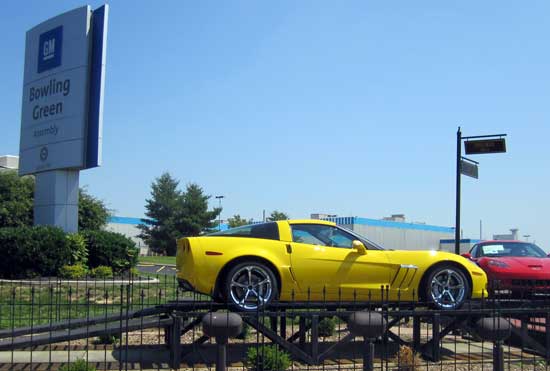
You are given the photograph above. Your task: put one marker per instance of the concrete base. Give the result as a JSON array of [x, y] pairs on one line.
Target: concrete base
[[56, 199]]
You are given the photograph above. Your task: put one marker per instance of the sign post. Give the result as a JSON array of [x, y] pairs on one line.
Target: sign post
[[476, 145], [62, 109]]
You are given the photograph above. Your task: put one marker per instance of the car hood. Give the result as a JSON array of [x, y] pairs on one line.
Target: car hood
[[524, 262]]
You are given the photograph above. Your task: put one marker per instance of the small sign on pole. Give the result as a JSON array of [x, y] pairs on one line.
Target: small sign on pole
[[478, 147], [469, 169]]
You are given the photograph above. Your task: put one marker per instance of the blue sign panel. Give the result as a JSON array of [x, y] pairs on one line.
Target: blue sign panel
[[50, 46]]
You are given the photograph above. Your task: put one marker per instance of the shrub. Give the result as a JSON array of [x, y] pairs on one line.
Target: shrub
[[327, 326], [110, 249], [407, 360], [33, 251], [245, 332], [267, 358], [107, 339], [134, 273], [78, 365], [72, 272], [77, 246], [102, 272]]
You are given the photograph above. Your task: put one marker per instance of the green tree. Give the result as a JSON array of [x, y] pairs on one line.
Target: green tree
[[277, 215], [16, 199], [92, 212], [237, 221], [160, 230], [194, 217]]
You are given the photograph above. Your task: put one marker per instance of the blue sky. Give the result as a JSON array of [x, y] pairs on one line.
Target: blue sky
[[348, 108]]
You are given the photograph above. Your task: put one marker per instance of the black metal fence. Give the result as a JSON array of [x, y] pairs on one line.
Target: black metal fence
[[151, 324]]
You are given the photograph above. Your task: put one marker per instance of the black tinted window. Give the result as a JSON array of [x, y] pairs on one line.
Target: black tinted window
[[268, 231]]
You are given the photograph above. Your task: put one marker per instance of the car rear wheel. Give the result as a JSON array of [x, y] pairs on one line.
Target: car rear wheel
[[250, 286], [446, 287]]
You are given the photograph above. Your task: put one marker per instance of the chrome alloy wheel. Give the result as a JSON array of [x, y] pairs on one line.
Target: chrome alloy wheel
[[448, 288], [250, 287]]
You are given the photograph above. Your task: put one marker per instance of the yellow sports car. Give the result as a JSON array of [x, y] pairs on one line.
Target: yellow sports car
[[311, 260]]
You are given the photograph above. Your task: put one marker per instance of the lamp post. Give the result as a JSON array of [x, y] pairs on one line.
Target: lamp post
[[220, 215]]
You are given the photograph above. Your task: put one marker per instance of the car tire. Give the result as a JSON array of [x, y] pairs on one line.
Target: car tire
[[446, 287], [250, 286]]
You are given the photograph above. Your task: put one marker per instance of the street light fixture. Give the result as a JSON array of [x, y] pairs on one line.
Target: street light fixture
[[526, 236], [220, 215]]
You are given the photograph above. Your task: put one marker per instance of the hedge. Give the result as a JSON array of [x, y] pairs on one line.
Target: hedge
[[42, 251], [110, 249], [33, 251]]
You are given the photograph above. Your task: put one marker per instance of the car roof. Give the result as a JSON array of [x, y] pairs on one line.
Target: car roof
[[502, 241], [310, 221]]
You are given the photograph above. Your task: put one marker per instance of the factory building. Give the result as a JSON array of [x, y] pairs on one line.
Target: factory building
[[394, 232], [129, 228], [8, 162]]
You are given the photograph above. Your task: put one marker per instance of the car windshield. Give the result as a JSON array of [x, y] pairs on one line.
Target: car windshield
[[515, 249]]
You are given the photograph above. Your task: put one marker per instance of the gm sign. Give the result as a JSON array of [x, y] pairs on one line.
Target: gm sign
[[49, 49]]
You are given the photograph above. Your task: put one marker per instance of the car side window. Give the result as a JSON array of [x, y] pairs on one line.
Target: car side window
[[323, 235], [474, 251]]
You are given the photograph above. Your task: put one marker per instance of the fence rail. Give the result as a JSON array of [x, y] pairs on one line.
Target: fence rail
[[151, 324]]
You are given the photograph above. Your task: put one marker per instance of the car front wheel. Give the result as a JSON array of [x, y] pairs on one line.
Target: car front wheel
[[447, 287], [250, 286]]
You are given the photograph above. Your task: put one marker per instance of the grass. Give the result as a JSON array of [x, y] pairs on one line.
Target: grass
[[24, 304], [158, 259]]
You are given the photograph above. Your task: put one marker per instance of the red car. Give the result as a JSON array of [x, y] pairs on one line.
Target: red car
[[515, 267]]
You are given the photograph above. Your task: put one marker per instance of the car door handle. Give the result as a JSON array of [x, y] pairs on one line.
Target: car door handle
[[289, 248]]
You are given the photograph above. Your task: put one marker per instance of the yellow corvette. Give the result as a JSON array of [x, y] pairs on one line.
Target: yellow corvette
[[310, 260]]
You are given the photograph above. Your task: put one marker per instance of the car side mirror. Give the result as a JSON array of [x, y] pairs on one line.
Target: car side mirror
[[359, 247], [467, 255]]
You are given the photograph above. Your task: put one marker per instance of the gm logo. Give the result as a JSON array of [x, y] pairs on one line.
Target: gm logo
[[49, 49]]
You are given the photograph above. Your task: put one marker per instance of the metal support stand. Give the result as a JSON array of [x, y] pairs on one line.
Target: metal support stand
[[368, 356], [416, 333], [314, 336], [221, 355], [283, 325], [498, 356], [174, 336], [302, 329], [436, 347]]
